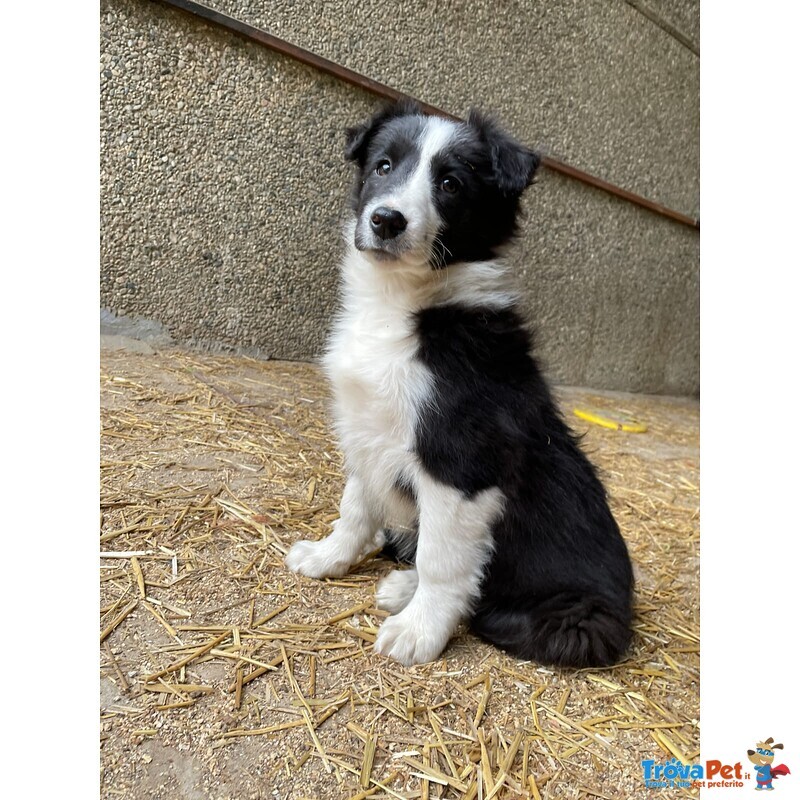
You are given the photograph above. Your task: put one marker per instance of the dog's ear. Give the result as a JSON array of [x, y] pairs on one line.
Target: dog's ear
[[513, 164], [357, 138]]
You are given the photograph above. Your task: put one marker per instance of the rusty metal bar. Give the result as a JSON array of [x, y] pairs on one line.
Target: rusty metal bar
[[387, 92]]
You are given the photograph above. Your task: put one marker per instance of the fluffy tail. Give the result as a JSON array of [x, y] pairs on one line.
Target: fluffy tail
[[562, 631]]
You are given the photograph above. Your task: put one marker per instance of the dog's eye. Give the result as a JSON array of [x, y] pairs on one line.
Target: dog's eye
[[384, 167], [450, 184]]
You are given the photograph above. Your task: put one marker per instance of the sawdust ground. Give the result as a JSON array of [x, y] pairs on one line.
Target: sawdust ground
[[211, 467]]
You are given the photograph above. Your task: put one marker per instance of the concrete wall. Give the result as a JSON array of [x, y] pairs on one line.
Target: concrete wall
[[223, 183]]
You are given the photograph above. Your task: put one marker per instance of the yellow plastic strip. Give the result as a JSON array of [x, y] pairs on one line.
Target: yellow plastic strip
[[627, 424]]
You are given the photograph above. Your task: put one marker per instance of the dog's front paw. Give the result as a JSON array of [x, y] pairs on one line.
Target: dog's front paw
[[316, 560], [395, 591], [410, 638]]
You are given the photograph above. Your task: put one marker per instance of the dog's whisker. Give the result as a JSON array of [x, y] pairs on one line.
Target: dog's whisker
[[444, 247]]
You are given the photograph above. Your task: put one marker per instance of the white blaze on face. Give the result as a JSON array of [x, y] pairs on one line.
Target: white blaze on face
[[414, 199]]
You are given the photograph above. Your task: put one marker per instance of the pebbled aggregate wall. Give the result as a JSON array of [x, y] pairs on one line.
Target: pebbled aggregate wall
[[223, 183]]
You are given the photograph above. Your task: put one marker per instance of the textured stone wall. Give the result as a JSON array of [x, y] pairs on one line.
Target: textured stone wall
[[223, 184]]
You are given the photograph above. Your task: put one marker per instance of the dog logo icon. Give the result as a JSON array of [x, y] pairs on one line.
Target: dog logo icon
[[762, 757]]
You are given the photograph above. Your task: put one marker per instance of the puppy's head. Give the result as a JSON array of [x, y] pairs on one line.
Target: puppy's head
[[432, 192]]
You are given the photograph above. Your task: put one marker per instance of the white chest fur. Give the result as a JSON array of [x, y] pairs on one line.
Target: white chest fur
[[378, 383]]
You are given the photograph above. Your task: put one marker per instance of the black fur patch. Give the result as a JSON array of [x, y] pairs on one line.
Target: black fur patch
[[399, 547], [358, 138], [558, 585], [493, 170]]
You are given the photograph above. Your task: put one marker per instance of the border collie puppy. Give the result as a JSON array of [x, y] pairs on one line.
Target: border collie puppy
[[451, 438]]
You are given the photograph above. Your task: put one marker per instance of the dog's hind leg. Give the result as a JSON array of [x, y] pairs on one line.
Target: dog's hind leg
[[353, 534]]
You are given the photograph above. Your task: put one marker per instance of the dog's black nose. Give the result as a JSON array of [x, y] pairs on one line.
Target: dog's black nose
[[387, 222]]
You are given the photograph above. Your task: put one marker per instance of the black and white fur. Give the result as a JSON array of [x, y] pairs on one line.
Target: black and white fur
[[451, 438]]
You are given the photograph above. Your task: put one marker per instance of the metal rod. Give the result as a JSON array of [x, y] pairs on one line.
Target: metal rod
[[382, 90]]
